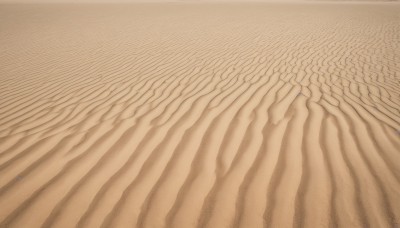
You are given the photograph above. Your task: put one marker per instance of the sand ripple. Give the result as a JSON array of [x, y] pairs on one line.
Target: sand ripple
[[200, 115]]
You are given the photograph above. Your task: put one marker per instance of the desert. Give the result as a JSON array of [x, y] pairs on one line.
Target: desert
[[200, 114]]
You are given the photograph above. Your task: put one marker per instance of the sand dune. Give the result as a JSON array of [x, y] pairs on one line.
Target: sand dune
[[207, 115]]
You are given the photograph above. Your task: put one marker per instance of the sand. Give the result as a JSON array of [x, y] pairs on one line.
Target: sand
[[200, 115]]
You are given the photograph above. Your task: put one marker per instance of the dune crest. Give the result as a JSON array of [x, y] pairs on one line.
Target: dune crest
[[207, 115]]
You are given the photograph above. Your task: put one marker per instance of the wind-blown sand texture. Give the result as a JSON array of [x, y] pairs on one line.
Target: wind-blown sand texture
[[200, 115]]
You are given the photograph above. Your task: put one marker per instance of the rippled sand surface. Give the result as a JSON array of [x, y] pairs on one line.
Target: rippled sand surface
[[200, 115]]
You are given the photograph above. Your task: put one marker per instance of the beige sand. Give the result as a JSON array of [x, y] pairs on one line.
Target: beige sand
[[200, 115]]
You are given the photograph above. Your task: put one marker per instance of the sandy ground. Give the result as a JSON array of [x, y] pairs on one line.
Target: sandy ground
[[200, 115]]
